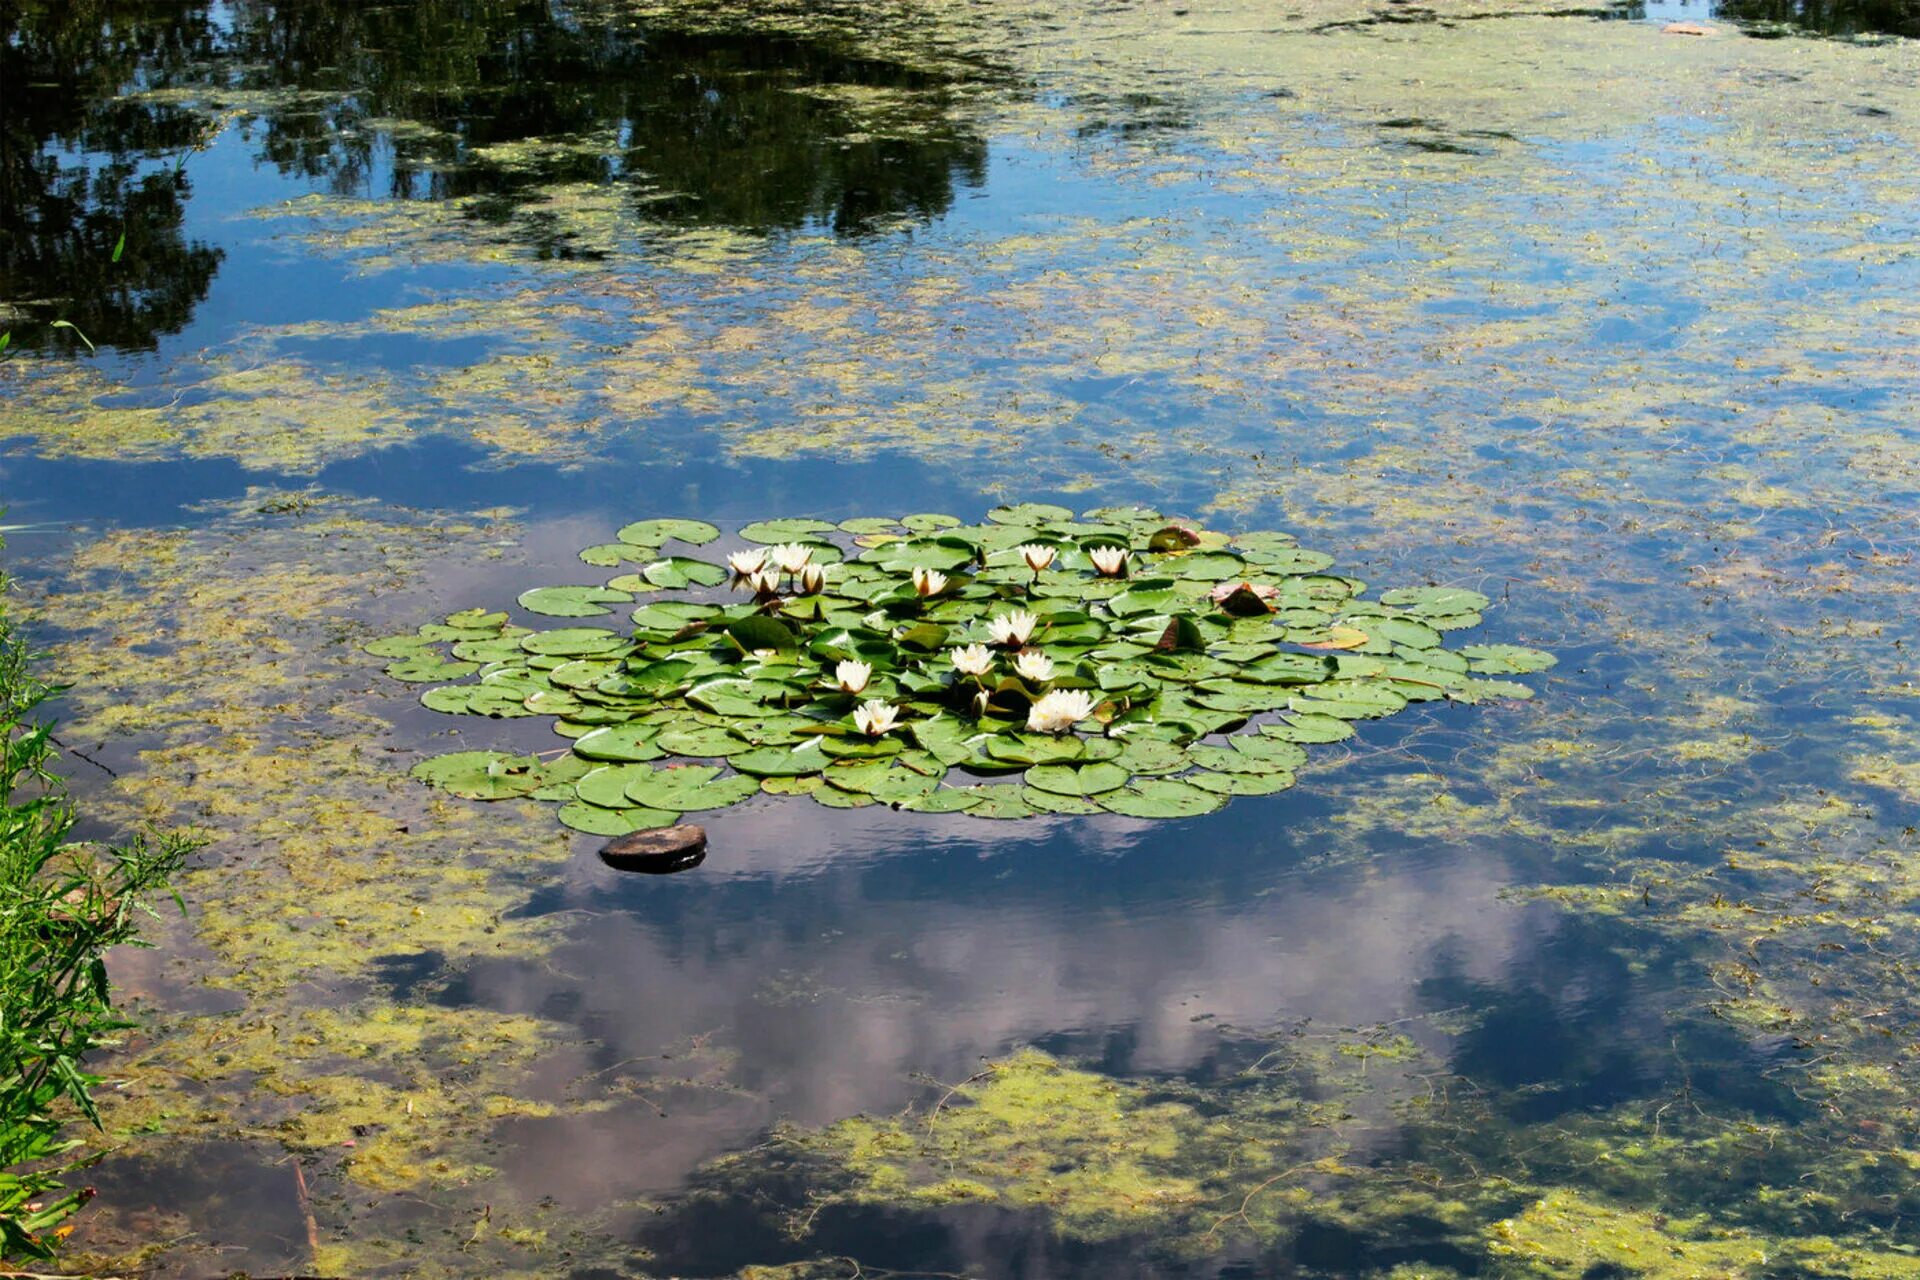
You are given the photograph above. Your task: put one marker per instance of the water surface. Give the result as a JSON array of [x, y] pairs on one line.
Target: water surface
[[417, 299]]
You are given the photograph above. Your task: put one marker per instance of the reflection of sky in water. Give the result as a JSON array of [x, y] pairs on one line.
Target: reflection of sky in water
[[839, 960]]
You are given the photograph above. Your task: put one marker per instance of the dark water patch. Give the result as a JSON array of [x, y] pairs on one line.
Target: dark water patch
[[1837, 18]]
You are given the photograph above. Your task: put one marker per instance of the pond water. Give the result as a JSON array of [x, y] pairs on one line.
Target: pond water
[[375, 312]]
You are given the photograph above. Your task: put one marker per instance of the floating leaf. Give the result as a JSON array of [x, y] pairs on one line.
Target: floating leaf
[[596, 821], [651, 533], [944, 800], [1203, 639], [1240, 784], [571, 642], [572, 602], [676, 572], [1077, 780], [1160, 798], [782, 762], [690, 788], [1309, 728], [1435, 601], [430, 666], [1000, 801], [619, 742], [1054, 802], [1501, 659], [481, 775], [706, 741]]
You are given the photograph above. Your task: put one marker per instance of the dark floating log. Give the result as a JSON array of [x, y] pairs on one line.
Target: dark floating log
[[658, 852]]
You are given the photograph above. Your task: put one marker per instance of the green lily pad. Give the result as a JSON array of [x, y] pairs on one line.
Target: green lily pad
[[1036, 748], [1435, 601], [1028, 513], [1160, 798], [690, 788], [1506, 659], [651, 533], [884, 781], [1149, 756], [407, 646], [1001, 802], [572, 602], [1077, 780], [704, 741], [478, 700], [1240, 784], [620, 742], [944, 800], [1053, 802], [1166, 656], [1348, 700], [481, 775], [835, 798], [606, 785], [596, 821], [573, 642], [676, 572], [782, 762], [429, 666], [1305, 727]]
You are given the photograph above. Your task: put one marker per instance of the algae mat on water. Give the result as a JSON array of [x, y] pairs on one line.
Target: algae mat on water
[[902, 661]]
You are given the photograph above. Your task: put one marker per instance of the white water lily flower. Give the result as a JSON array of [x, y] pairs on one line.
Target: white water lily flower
[[875, 717], [766, 582], [792, 557], [813, 579], [852, 676], [1037, 556], [929, 582], [1035, 666], [1012, 629], [1059, 711], [747, 563], [1111, 562], [972, 660]]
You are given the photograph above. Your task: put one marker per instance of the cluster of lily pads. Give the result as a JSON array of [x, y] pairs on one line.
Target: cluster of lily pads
[[1114, 662]]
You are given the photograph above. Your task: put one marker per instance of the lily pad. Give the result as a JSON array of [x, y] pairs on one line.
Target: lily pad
[[782, 762], [596, 821], [1160, 798], [1240, 784], [1506, 659], [481, 775], [676, 572], [690, 788], [651, 533], [572, 602], [852, 687], [620, 742], [573, 642], [1077, 780]]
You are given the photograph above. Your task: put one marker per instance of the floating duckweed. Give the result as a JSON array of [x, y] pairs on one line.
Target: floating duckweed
[[1095, 655]]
